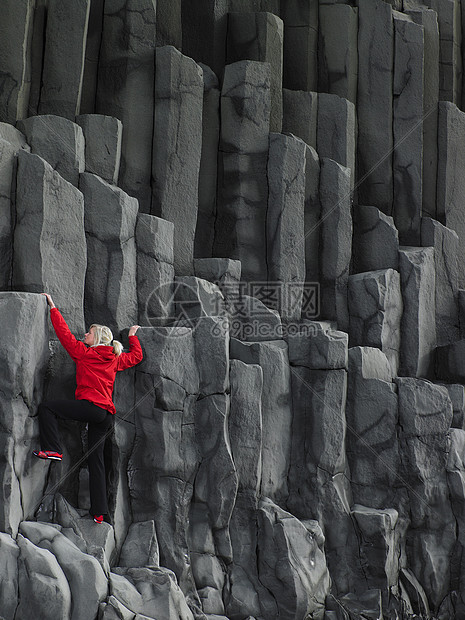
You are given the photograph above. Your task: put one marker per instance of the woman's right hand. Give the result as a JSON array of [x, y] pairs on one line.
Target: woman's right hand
[[49, 300], [133, 329]]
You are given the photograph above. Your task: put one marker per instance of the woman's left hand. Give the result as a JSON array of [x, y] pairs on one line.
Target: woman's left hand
[[133, 329], [49, 300]]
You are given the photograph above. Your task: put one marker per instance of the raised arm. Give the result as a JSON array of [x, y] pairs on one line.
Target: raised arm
[[74, 347], [126, 360]]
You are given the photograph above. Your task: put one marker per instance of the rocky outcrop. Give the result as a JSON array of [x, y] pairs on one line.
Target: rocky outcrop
[[274, 192]]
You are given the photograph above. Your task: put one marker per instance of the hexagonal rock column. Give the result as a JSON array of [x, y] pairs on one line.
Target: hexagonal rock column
[[24, 357], [408, 111], [240, 229], [102, 135], [445, 243], [425, 416], [125, 86], [161, 480], [310, 300], [259, 36], [372, 419], [375, 307], [204, 27], [177, 147], [429, 20], [62, 81], [374, 103], [336, 134], [287, 544], [208, 173], [418, 326], [91, 57], [335, 241], [11, 141], [300, 114], [155, 269], [338, 65], [110, 221], [15, 54], [450, 58], [285, 223], [373, 230], [451, 181], [300, 41], [49, 242], [169, 29], [276, 408], [57, 140]]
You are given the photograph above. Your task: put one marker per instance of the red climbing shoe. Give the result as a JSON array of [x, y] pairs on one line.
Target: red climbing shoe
[[98, 518], [48, 454]]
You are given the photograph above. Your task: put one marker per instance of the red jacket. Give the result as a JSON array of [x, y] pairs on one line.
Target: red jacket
[[96, 367]]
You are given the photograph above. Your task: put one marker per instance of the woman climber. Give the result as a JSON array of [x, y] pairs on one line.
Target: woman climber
[[98, 358]]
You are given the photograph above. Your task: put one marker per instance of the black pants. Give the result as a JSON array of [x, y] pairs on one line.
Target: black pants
[[99, 423]]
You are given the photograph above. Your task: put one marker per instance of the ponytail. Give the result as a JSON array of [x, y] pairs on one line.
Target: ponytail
[[103, 336], [117, 347]]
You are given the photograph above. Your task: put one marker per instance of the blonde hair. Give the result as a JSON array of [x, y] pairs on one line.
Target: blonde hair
[[103, 335]]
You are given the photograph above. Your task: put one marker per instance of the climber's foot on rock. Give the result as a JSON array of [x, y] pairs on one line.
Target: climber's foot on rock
[[48, 455]]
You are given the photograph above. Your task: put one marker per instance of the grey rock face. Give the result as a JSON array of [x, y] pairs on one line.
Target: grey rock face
[[141, 546], [425, 416], [111, 297], [372, 419], [318, 346], [15, 55], [54, 260], [155, 269], [9, 583], [373, 230], [445, 243], [161, 598], [450, 59], [338, 63], [11, 140], [336, 131], [57, 140], [49, 594], [307, 582], [408, 134], [102, 135], [259, 36], [208, 173], [86, 579], [23, 364], [177, 145], [300, 114], [336, 241], [375, 307], [418, 327], [285, 222], [374, 103], [451, 185], [429, 20], [300, 41], [276, 408], [243, 186], [169, 31], [377, 549], [91, 57], [62, 82], [204, 28], [312, 214], [125, 88]]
